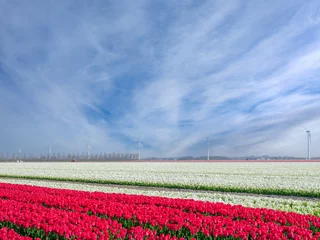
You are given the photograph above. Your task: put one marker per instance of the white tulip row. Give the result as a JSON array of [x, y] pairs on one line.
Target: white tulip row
[[304, 207], [269, 175]]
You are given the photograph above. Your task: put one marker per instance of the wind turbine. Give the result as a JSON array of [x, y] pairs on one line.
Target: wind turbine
[[140, 147], [208, 142], [19, 152], [89, 148], [50, 146], [308, 141]]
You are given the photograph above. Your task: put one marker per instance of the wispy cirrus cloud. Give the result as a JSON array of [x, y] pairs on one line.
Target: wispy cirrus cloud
[[247, 72]]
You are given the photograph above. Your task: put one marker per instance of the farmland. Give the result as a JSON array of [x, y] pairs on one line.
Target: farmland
[[298, 179], [47, 213], [303, 206], [132, 212]]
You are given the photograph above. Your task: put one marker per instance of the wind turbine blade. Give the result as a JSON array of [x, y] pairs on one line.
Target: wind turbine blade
[[140, 138], [304, 127]]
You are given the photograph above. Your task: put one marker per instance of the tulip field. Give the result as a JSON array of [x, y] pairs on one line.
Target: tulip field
[[79, 203], [290, 178], [31, 212], [288, 204]]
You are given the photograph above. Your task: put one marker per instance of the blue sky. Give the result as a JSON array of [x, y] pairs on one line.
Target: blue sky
[[248, 72]]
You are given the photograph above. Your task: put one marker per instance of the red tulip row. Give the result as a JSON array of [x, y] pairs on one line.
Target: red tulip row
[[50, 223], [216, 209], [155, 217], [6, 233], [94, 200]]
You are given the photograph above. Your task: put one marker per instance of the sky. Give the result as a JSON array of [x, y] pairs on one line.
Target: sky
[[246, 73]]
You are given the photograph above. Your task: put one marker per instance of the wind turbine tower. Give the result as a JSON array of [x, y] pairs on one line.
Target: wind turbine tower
[[208, 142], [308, 142], [139, 147], [89, 148], [50, 146], [19, 152]]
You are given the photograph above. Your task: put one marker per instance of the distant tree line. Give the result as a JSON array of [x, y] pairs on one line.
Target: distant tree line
[[190, 158], [69, 156]]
